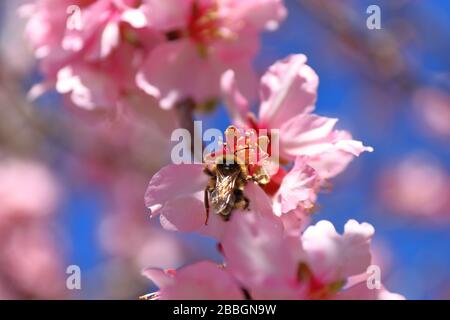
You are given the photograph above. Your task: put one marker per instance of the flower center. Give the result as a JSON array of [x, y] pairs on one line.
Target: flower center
[[244, 148], [203, 25]]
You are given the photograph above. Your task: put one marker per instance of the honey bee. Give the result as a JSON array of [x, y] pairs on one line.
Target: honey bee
[[226, 187], [229, 175]]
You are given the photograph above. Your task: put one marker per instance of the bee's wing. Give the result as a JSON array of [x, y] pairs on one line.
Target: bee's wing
[[222, 197]]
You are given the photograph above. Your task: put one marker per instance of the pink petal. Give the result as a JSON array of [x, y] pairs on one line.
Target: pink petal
[[174, 181], [260, 203], [362, 292], [176, 192], [87, 86], [135, 17], [185, 214], [333, 257], [288, 88], [159, 277], [279, 290], [255, 250], [235, 102], [336, 158], [202, 281], [306, 134], [297, 187], [295, 221], [356, 245], [260, 14], [168, 72], [109, 39], [167, 15]]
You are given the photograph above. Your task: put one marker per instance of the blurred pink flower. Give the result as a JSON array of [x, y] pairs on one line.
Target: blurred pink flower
[[27, 191], [90, 50], [206, 37], [417, 186], [124, 232], [261, 262], [433, 109], [93, 50], [288, 95], [30, 261]]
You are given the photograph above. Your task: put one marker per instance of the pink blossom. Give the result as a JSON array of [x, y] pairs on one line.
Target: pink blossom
[[288, 93], [298, 186], [296, 196], [271, 265], [433, 110], [125, 234], [261, 262], [333, 257], [27, 191], [314, 267], [176, 193], [101, 45], [206, 38], [89, 50], [29, 259], [31, 264], [201, 281], [180, 192], [417, 186]]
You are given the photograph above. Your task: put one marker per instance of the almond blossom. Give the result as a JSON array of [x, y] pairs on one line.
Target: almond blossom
[[310, 148], [261, 262], [97, 52], [206, 37], [31, 262], [88, 50], [16, 204], [176, 193], [148, 64], [288, 93]]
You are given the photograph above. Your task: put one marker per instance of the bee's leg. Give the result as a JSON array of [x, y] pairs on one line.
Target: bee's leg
[[247, 203], [206, 206], [242, 201], [208, 172], [226, 217]]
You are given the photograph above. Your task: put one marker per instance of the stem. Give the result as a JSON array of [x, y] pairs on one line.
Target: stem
[[185, 110]]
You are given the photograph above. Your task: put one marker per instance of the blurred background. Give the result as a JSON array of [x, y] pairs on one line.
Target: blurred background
[[71, 188]]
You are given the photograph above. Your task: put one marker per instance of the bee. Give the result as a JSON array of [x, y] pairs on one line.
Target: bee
[[229, 174], [226, 187]]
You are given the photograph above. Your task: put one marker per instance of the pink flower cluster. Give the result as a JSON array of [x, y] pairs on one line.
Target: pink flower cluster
[[264, 263], [107, 54], [267, 252], [30, 262], [98, 53], [311, 150]]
